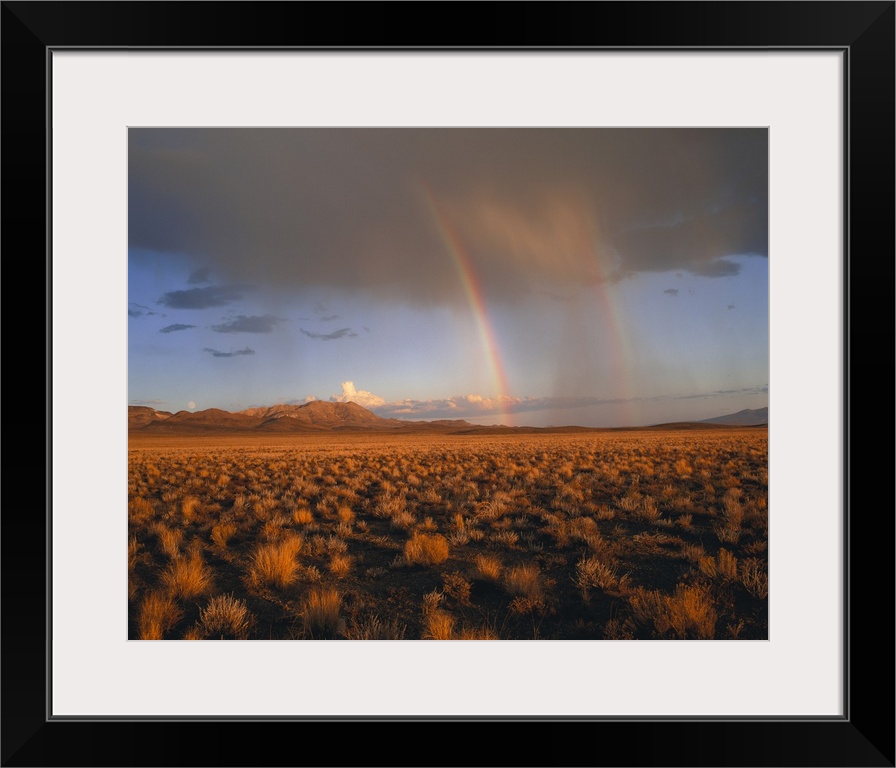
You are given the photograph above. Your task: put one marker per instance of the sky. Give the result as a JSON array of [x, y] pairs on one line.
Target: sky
[[602, 277]]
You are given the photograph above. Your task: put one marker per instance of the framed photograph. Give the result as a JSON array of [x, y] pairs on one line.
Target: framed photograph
[[635, 187]]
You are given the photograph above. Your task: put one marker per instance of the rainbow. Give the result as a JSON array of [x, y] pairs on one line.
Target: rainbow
[[473, 291], [610, 314]]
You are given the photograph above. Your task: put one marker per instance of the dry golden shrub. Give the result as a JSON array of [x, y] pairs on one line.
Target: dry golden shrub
[[593, 573], [618, 629], [438, 625], [687, 614], [374, 628], [320, 612], [189, 507], [169, 539], [426, 549], [345, 513], [133, 552], [274, 564], [431, 601], [302, 516], [226, 618], [754, 576], [456, 586], [188, 576], [223, 533], [158, 615], [340, 565], [477, 633], [488, 567], [140, 511], [507, 539], [723, 566], [524, 581]]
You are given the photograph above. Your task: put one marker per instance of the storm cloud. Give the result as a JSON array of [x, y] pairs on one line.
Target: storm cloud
[[340, 334], [138, 310], [391, 212], [203, 298], [237, 353], [248, 324], [176, 327]]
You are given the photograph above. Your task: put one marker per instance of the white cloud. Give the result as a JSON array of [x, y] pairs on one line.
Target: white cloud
[[352, 395]]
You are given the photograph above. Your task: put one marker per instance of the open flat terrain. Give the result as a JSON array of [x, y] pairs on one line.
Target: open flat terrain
[[615, 534]]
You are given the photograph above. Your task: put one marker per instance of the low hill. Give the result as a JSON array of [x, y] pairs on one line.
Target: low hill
[[324, 416], [141, 415], [745, 418]]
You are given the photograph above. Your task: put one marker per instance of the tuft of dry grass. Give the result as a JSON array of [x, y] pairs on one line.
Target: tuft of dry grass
[[222, 533], [489, 568], [158, 615], [592, 573], [340, 565], [754, 577], [431, 601], [456, 586], [302, 516], [723, 566], [133, 552], [506, 538], [188, 576], [226, 618], [274, 564], [477, 633], [438, 625], [374, 628], [320, 612], [524, 581], [169, 539], [426, 549], [140, 511], [688, 614], [189, 507]]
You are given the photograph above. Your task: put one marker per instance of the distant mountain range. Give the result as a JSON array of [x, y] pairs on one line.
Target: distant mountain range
[[746, 418], [316, 416], [322, 416]]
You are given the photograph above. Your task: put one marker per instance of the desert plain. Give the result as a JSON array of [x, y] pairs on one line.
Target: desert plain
[[445, 531]]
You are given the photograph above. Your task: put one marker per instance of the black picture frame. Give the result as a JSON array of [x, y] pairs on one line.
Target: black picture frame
[[863, 31]]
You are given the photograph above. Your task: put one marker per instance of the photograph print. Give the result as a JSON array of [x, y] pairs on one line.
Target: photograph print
[[448, 383]]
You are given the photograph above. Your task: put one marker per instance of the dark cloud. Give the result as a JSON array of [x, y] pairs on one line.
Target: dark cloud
[[671, 291], [219, 353], [340, 334], [138, 310], [176, 327], [201, 275], [731, 306], [388, 211], [329, 318], [717, 268], [248, 324], [203, 298], [155, 401]]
